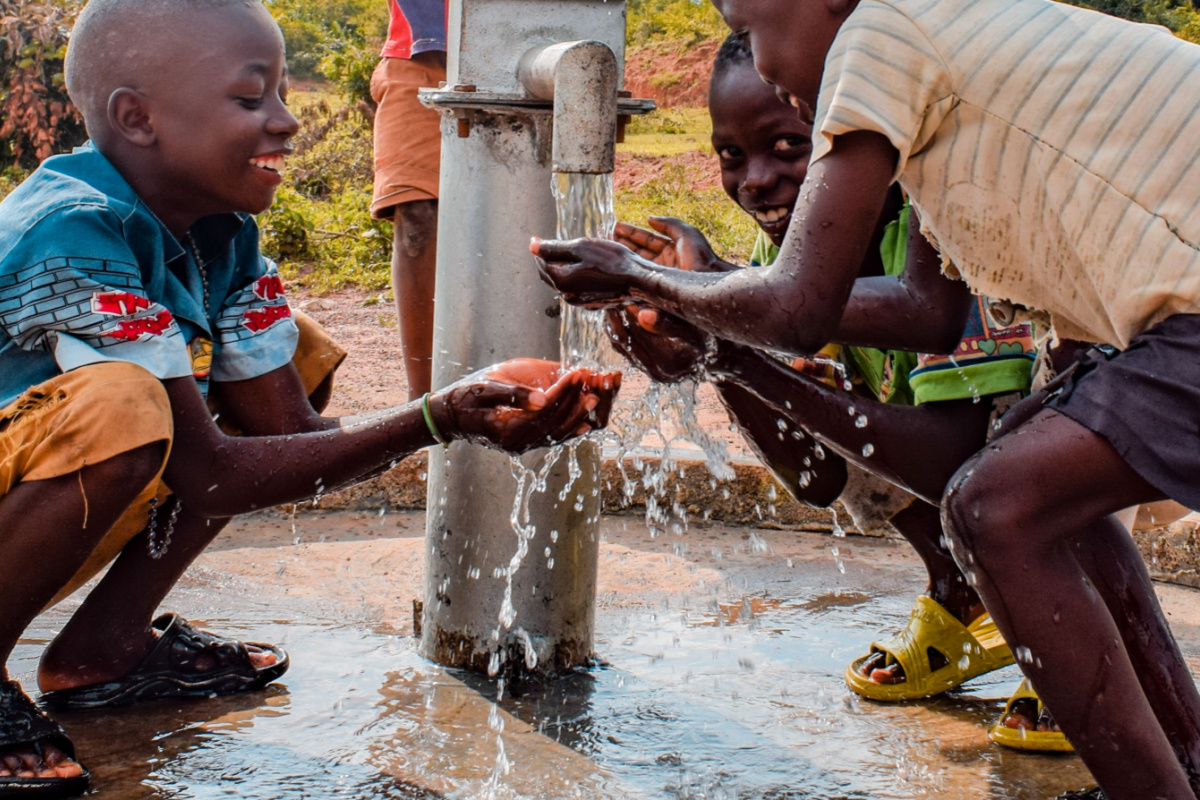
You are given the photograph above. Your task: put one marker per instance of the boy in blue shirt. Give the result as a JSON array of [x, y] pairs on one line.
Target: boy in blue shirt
[[133, 294]]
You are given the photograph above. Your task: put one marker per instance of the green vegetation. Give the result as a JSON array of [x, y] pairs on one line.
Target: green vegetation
[[730, 230], [320, 228], [679, 23], [338, 40], [36, 118], [668, 132], [1181, 16]]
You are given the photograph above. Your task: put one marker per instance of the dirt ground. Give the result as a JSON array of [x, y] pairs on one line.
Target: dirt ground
[[372, 376]]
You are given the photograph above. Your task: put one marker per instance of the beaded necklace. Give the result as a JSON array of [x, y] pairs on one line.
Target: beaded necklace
[[158, 547]]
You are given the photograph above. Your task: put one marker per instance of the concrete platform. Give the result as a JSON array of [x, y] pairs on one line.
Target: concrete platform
[[752, 497], [721, 656]]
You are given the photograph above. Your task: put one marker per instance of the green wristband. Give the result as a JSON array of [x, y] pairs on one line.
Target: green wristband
[[429, 423]]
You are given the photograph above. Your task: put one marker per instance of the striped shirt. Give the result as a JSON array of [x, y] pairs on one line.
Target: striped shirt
[[1053, 152]]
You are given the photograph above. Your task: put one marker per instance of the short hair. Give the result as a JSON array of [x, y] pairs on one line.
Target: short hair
[[117, 43], [734, 51]]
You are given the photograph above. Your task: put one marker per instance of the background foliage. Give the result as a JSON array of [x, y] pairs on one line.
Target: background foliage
[[320, 227], [36, 119], [338, 40]]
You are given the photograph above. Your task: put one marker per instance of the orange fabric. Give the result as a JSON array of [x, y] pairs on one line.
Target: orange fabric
[[99, 411], [317, 355], [83, 417], [408, 137]]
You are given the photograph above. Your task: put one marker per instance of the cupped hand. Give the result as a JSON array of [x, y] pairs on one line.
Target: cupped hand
[[595, 273], [525, 403], [661, 345], [672, 243]]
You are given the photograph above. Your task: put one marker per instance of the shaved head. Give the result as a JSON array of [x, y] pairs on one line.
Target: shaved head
[[124, 43]]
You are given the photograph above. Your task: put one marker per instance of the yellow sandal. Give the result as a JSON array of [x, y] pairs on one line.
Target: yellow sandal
[[1023, 738], [969, 651]]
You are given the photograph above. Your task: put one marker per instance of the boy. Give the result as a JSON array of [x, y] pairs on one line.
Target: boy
[[408, 145], [763, 147], [1016, 129], [130, 279]]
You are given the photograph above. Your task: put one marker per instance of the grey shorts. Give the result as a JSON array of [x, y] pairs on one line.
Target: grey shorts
[[1145, 400]]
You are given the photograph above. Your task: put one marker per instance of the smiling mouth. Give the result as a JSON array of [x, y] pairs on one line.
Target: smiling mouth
[[270, 163], [770, 216]]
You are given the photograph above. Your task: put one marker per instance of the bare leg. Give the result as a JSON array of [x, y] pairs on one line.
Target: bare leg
[[921, 525], [414, 268], [47, 531], [1028, 517], [110, 634]]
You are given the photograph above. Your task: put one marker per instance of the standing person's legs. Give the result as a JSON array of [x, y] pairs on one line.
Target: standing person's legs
[[414, 269], [407, 161]]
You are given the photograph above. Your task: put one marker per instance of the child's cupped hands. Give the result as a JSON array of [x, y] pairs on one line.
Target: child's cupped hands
[[525, 403], [661, 345], [672, 243], [595, 273]]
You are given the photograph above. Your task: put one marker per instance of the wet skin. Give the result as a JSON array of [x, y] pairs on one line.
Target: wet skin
[[763, 145], [1028, 515], [185, 138]]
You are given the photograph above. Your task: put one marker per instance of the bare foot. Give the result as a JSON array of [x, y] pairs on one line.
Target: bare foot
[[60, 671], [1024, 716], [26, 762], [877, 670]]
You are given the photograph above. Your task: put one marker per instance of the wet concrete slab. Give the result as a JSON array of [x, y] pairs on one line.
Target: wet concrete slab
[[721, 657]]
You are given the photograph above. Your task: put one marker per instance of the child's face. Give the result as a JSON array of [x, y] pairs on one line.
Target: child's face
[[221, 125], [763, 146], [789, 38]]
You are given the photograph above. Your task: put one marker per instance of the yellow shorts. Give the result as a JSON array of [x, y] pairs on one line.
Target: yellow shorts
[[408, 136], [96, 412]]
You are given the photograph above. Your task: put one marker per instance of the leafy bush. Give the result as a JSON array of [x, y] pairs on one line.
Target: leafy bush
[[335, 39], [320, 228], [682, 23], [1181, 16], [36, 118]]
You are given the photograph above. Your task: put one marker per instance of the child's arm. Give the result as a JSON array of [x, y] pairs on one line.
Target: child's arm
[[271, 404], [507, 406], [668, 350], [797, 304]]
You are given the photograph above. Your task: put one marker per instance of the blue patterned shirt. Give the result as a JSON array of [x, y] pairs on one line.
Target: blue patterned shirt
[[89, 274]]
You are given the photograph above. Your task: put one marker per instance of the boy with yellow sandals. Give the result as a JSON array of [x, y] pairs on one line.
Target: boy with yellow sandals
[[926, 412]]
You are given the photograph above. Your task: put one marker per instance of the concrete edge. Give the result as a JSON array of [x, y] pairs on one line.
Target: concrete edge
[[752, 497]]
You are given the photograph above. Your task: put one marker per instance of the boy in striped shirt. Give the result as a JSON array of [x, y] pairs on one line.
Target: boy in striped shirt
[[1053, 154]]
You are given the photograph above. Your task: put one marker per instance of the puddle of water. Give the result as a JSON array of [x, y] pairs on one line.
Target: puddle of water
[[751, 708]]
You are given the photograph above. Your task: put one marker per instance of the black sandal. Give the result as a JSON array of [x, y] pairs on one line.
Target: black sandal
[[170, 670], [23, 723], [1088, 793]]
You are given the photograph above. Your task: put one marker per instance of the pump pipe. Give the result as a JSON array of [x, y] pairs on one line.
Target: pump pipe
[[581, 79]]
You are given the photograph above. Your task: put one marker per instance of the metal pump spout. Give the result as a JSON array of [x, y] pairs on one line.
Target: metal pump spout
[[516, 107], [581, 78]]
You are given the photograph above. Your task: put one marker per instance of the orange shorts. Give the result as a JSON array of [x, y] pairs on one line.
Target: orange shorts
[[408, 136], [94, 413]]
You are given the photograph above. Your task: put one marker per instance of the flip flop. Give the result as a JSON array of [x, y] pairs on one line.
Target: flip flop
[[170, 670], [23, 723], [1025, 739], [969, 651]]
